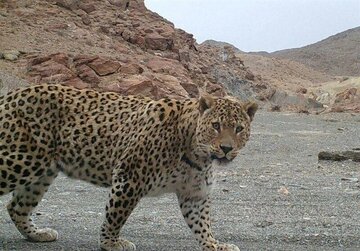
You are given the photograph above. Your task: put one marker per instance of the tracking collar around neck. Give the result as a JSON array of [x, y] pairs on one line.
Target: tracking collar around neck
[[190, 163]]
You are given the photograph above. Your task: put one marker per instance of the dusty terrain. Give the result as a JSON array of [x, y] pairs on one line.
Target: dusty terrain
[[275, 196]]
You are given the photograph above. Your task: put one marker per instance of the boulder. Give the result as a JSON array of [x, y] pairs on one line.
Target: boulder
[[156, 86], [155, 41], [184, 55], [104, 67], [250, 76], [83, 59], [191, 89], [60, 58], [10, 56], [346, 95], [51, 71], [126, 34], [301, 90], [354, 155], [168, 66], [215, 89], [294, 102], [265, 95], [78, 83], [123, 4], [87, 7], [53, 68], [86, 19], [168, 86], [131, 68], [87, 74], [135, 84], [68, 4], [324, 98]]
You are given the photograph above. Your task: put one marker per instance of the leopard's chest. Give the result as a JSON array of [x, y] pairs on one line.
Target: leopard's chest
[[185, 181]]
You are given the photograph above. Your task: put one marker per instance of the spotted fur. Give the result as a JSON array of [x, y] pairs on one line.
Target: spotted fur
[[134, 145]]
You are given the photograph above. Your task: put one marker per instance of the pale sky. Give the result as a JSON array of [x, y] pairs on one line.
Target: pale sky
[[260, 25]]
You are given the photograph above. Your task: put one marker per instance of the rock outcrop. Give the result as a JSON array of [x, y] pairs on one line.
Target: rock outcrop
[[121, 46], [116, 45], [342, 95]]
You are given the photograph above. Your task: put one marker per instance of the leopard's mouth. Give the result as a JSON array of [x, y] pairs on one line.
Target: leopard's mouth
[[221, 160]]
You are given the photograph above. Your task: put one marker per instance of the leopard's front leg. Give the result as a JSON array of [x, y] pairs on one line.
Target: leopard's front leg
[[123, 198], [196, 212]]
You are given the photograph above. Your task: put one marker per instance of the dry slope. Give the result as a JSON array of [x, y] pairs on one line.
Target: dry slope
[[335, 55]]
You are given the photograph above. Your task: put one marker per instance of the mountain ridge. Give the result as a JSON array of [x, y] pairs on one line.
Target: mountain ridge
[[336, 55]]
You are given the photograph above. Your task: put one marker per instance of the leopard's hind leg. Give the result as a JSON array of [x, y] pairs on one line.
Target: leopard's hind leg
[[24, 200]]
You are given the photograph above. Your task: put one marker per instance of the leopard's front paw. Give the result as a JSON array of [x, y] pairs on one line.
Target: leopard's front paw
[[118, 245], [215, 246], [42, 235], [227, 247]]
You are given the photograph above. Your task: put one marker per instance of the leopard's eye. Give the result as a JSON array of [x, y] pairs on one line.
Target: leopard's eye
[[216, 126], [239, 129]]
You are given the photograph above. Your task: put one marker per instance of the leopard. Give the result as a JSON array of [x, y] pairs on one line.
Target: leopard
[[134, 146]]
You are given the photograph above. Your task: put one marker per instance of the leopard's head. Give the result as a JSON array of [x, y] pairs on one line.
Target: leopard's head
[[223, 127]]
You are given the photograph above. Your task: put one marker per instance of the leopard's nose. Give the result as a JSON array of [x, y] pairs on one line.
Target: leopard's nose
[[226, 149]]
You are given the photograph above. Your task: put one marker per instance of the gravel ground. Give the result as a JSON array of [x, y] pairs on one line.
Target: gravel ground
[[274, 196]]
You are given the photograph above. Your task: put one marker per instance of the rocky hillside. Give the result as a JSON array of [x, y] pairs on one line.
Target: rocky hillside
[[337, 55], [121, 46], [116, 45], [221, 45], [283, 73], [297, 86]]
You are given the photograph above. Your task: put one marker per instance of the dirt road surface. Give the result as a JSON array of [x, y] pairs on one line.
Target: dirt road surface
[[274, 196]]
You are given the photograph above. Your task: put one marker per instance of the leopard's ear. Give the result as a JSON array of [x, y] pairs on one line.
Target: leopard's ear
[[205, 103], [251, 108]]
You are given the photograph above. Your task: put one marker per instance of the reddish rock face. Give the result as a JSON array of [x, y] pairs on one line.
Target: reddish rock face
[[191, 89], [60, 58], [131, 68], [155, 41], [136, 85], [87, 74], [168, 86], [104, 67], [158, 86], [133, 51], [78, 83], [50, 71], [81, 71], [115, 45], [167, 66], [83, 59]]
